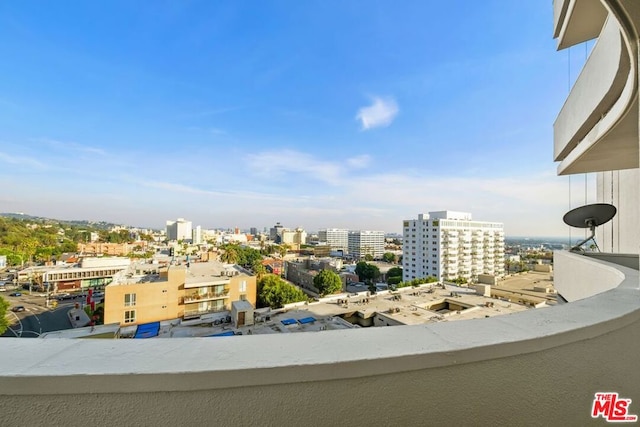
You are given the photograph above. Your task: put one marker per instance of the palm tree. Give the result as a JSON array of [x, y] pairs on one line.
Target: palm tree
[[230, 256], [259, 269], [282, 250]]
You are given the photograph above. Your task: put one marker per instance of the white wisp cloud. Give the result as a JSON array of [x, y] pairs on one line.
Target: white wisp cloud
[[380, 113]]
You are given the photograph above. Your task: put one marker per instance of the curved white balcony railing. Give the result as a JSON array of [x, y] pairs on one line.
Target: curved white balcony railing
[[597, 89], [541, 366]]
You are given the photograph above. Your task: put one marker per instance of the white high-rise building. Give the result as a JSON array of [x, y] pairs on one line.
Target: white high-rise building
[[179, 230], [448, 245], [337, 238], [366, 242], [196, 238], [295, 237]]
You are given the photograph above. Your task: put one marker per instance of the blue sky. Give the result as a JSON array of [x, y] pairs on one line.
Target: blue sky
[[315, 114]]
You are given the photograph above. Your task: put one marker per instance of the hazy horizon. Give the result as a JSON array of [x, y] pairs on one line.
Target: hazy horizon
[[574, 234]]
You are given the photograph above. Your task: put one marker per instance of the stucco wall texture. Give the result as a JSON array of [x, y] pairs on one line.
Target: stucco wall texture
[[546, 388]]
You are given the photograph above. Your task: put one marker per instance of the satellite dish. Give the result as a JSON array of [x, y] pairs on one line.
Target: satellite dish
[[589, 216]]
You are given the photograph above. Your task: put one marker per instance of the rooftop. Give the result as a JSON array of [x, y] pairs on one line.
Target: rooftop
[[278, 323], [212, 270], [413, 306], [195, 273]]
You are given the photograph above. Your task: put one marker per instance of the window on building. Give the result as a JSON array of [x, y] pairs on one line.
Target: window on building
[[129, 300], [243, 286], [243, 297], [129, 316]]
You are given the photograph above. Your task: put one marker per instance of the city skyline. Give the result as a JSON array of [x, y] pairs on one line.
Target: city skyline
[[304, 114]]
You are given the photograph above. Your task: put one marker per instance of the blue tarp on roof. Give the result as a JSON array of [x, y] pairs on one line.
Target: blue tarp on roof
[[223, 334], [307, 320], [288, 321], [148, 330]]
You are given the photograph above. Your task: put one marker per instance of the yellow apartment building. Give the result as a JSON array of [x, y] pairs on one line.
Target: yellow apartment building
[[178, 291]]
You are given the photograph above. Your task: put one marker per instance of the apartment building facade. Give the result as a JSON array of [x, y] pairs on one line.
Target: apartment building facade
[[366, 242], [336, 238], [179, 291], [450, 245]]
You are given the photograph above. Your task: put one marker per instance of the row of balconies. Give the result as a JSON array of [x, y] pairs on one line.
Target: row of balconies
[[597, 127], [206, 296]]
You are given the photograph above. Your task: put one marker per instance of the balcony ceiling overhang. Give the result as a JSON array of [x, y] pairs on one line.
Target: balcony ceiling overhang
[[579, 21]]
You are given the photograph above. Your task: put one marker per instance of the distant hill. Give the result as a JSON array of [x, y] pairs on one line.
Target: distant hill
[[101, 225]]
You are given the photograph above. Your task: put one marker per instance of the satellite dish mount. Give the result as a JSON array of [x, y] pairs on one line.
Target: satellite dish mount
[[589, 216]]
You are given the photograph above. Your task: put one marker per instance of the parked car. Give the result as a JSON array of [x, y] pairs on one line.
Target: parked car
[[17, 308], [15, 294], [3, 289], [62, 297]]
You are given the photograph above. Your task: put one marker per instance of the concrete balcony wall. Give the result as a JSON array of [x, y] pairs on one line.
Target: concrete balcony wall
[[538, 367], [597, 89], [626, 260], [578, 276]]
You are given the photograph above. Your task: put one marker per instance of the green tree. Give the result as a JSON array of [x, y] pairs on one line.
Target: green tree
[[367, 272], [327, 282], [394, 280], [395, 271], [230, 255], [258, 269], [28, 248], [242, 255], [274, 292], [368, 257], [147, 237], [68, 246], [4, 323], [460, 280], [389, 257]]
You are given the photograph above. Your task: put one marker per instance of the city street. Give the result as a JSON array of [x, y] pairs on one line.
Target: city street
[[36, 318]]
